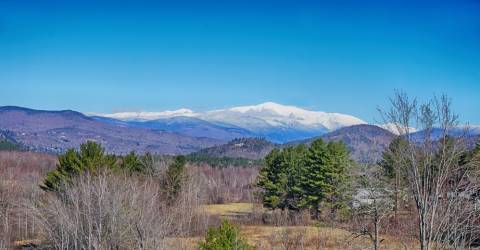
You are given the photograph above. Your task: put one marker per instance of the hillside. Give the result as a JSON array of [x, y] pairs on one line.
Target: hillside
[[7, 143], [185, 125], [365, 142], [56, 131], [248, 148]]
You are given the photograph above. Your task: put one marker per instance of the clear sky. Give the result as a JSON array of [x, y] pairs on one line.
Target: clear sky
[[104, 56]]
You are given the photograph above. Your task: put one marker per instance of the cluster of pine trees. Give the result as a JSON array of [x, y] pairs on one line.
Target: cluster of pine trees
[[92, 158], [302, 177]]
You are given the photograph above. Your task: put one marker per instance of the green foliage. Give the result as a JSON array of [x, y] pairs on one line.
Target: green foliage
[[324, 177], [132, 163], [148, 163], [9, 146], [225, 237], [174, 177], [91, 158], [280, 176], [222, 162], [390, 157], [300, 177]]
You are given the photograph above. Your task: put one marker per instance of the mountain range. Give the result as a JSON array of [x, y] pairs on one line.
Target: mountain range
[[217, 133], [56, 131], [275, 122]]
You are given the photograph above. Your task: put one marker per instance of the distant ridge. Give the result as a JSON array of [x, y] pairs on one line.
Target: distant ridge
[[249, 148], [365, 143], [189, 126], [56, 131], [275, 122]]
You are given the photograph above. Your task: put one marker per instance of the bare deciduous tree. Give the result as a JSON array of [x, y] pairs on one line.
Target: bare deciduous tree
[[430, 160], [115, 211], [372, 203]]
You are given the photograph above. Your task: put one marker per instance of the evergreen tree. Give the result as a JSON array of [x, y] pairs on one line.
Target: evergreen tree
[[279, 177], [295, 162], [390, 162], [148, 163], [174, 177], [225, 237], [132, 163], [315, 185], [338, 177], [303, 178], [392, 169], [91, 157], [271, 179]]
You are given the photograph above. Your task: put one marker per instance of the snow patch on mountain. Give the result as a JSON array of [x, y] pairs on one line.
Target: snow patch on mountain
[[274, 121], [277, 115], [395, 130], [147, 116]]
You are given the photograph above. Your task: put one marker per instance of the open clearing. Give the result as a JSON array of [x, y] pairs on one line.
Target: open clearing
[[288, 237]]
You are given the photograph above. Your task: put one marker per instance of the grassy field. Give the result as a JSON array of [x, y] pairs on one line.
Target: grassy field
[[230, 209], [289, 237], [281, 237]]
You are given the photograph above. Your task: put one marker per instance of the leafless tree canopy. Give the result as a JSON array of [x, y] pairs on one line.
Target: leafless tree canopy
[[115, 211], [443, 189]]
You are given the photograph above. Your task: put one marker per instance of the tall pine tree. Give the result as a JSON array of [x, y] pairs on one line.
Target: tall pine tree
[[91, 157], [303, 178]]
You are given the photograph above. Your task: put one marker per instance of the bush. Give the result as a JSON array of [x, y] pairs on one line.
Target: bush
[[225, 237]]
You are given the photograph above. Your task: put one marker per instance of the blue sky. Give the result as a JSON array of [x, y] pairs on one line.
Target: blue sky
[[104, 56]]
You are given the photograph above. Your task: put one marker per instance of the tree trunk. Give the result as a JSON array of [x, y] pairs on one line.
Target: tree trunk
[[397, 186], [424, 239], [376, 243], [376, 225]]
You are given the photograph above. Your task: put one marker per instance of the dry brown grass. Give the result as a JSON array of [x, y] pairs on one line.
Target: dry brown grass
[[291, 237], [230, 209], [299, 237]]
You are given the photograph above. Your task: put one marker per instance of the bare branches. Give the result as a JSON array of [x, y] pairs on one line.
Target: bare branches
[[115, 211], [430, 159], [373, 202]]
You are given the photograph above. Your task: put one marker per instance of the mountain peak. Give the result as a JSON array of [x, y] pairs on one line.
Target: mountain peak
[[146, 116], [269, 119], [269, 106]]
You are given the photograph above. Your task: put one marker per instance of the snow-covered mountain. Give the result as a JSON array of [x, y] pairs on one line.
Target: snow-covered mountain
[[271, 114], [395, 130], [276, 122], [147, 116]]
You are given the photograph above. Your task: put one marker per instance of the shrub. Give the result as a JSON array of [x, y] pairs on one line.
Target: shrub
[[225, 237]]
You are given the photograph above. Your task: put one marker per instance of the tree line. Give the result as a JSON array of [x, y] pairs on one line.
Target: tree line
[[91, 158]]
